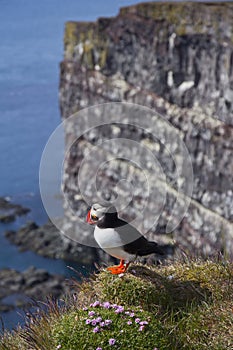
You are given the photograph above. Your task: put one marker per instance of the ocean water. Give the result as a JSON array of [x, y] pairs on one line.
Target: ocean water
[[31, 46]]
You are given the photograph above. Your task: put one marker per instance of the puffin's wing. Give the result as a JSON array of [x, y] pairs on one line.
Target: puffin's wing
[[142, 247], [134, 243], [127, 232]]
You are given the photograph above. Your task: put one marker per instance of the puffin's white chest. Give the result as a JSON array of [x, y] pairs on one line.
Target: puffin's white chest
[[107, 237], [110, 241]]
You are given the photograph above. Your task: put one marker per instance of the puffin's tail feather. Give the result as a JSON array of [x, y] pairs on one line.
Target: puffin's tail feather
[[152, 248]]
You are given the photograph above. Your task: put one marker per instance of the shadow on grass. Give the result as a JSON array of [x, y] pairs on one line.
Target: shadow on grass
[[170, 293]]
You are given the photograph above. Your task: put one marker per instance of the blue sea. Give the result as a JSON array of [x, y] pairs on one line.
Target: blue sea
[[31, 46]]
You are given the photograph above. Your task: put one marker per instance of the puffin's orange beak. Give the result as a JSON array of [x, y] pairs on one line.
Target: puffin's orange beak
[[89, 220]]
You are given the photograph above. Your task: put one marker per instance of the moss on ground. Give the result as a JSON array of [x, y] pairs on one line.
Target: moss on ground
[[183, 306]]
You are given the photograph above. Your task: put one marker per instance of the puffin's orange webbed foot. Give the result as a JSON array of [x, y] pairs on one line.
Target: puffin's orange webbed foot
[[118, 269]]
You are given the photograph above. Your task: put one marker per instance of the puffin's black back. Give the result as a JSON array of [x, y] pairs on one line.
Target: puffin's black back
[[110, 218]]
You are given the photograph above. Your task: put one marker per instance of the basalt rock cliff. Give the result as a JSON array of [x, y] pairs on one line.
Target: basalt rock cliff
[[177, 59]]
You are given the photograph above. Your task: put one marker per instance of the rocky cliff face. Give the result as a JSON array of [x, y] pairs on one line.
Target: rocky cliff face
[[176, 59]]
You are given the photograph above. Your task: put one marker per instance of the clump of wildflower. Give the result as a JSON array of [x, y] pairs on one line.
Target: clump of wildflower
[[99, 324]]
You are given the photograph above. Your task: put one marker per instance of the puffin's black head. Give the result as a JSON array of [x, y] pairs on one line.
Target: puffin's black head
[[101, 213]]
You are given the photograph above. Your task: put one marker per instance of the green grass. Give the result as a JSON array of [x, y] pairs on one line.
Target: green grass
[[187, 305]]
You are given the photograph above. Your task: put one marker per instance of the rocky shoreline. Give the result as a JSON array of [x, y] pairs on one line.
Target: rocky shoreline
[[10, 211], [21, 289], [18, 289]]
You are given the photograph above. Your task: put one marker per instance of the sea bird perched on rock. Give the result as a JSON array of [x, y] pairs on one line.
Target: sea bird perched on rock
[[118, 238]]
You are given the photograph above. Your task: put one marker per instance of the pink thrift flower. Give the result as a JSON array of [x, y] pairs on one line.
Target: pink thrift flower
[[129, 323], [141, 328], [106, 305], [120, 308], [96, 329], [91, 313], [118, 311], [137, 320], [108, 322], [112, 341], [96, 303]]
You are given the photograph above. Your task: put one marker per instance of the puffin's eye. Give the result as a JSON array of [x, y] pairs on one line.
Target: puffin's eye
[[94, 217]]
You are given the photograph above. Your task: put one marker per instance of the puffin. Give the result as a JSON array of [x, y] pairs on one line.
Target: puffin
[[118, 238]]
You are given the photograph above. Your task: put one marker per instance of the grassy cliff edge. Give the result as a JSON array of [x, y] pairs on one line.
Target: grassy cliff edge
[[186, 305]]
